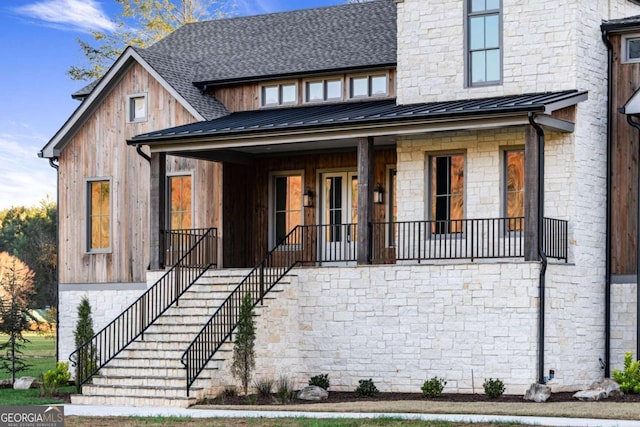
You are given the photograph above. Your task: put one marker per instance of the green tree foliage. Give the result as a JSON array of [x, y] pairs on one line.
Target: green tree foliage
[[244, 360], [140, 24], [86, 358], [16, 286], [29, 233]]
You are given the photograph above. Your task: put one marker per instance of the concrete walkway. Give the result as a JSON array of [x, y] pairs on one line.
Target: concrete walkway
[[127, 411]]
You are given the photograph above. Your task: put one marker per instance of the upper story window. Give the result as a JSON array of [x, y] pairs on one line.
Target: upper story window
[[180, 202], [368, 86], [137, 108], [278, 94], [484, 42], [631, 48], [98, 215], [323, 90]]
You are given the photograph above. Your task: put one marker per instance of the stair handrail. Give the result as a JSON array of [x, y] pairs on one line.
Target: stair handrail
[[261, 279], [107, 343]]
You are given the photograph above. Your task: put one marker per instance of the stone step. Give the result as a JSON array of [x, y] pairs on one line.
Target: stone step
[[168, 392], [104, 400], [145, 381]]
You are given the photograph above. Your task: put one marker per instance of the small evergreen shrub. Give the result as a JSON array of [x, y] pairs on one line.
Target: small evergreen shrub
[[433, 387], [53, 379], [629, 379], [285, 389], [493, 388], [264, 387], [366, 388], [321, 380]]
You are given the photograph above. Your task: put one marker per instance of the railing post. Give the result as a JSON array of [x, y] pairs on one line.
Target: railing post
[[472, 239], [142, 315], [262, 283]]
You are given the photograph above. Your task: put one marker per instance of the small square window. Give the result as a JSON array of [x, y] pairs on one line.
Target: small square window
[[270, 95], [288, 94], [315, 91], [359, 87], [137, 108], [323, 90], [632, 49], [334, 89], [279, 94], [378, 85]]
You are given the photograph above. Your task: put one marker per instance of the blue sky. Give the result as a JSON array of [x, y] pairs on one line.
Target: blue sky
[[38, 44]]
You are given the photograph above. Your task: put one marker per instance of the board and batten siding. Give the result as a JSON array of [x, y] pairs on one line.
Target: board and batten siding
[[99, 150]]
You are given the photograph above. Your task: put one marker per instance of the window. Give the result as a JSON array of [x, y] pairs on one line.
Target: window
[[279, 94], [287, 204], [447, 193], [368, 86], [631, 48], [99, 215], [514, 189], [484, 62], [323, 90], [137, 108], [180, 206]]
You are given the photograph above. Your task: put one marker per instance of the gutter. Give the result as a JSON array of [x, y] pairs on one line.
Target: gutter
[[541, 252], [142, 153], [607, 279], [637, 126], [53, 164]]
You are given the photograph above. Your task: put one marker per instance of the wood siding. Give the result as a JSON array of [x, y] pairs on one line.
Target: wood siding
[[99, 149], [247, 191], [625, 150], [246, 97]]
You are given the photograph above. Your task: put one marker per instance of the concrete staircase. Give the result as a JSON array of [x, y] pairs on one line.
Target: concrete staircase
[[149, 372]]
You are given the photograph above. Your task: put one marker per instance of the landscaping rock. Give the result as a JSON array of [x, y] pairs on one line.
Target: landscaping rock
[[5, 383], [23, 383], [599, 390], [313, 392], [538, 393]]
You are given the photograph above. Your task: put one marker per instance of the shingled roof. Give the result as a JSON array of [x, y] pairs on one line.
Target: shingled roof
[[349, 36]]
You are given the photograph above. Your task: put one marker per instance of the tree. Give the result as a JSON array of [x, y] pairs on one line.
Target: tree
[[140, 24], [29, 233], [16, 286], [244, 360], [86, 358]]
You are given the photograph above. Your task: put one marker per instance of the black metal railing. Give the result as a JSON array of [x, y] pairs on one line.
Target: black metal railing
[[461, 239], [135, 319], [556, 238], [178, 242]]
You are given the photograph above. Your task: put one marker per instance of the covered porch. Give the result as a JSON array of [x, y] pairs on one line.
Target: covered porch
[[317, 185]]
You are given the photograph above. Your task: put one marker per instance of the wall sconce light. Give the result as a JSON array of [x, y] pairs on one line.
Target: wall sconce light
[[378, 194], [307, 198]]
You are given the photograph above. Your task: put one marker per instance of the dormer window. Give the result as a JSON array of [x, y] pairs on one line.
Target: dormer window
[[323, 90], [137, 107], [368, 86], [278, 94]]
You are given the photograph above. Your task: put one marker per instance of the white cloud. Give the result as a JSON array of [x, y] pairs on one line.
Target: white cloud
[[77, 15], [25, 179]]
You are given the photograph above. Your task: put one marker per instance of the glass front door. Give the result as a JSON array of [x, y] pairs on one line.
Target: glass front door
[[339, 216]]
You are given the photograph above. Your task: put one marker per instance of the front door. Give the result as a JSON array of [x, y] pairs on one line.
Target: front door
[[339, 216]]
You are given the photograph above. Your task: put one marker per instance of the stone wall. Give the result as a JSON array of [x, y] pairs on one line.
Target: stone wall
[[623, 322]]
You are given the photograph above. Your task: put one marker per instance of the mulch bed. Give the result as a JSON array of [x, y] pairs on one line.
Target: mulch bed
[[341, 396]]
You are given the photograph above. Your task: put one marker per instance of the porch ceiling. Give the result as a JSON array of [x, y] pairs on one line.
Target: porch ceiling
[[321, 127]]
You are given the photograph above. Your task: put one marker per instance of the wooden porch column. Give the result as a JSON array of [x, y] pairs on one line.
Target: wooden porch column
[[365, 198], [531, 168], [157, 214]]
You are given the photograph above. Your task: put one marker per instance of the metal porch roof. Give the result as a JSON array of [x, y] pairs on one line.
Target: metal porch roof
[[247, 123]]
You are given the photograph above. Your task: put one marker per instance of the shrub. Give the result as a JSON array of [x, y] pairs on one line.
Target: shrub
[[493, 388], [629, 379], [433, 387], [321, 380], [366, 388], [285, 389], [264, 387], [228, 391], [244, 359], [53, 379], [83, 334]]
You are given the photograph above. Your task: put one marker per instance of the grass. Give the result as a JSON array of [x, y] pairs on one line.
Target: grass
[[39, 353], [9, 396]]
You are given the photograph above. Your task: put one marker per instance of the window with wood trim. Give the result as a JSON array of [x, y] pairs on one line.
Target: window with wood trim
[[98, 215], [446, 174], [368, 86], [180, 202], [484, 42], [514, 189], [272, 95], [287, 205], [137, 108], [323, 90]]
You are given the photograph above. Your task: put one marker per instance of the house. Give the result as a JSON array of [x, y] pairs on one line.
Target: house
[[406, 189]]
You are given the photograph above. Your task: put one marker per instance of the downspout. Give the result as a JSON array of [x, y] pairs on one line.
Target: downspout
[[607, 279], [637, 126], [142, 153], [541, 253], [55, 166]]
